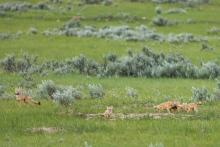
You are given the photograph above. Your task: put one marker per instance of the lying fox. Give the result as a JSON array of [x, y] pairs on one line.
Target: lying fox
[[189, 107], [169, 106], [108, 112], [21, 97], [176, 106]]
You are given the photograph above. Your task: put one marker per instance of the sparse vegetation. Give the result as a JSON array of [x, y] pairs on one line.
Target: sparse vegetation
[[200, 94], [46, 89], [81, 43], [66, 95], [96, 91], [1, 90], [131, 92]]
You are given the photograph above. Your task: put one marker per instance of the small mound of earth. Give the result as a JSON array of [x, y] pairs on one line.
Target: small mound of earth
[[48, 130]]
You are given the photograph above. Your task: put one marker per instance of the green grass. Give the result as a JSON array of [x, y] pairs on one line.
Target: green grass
[[15, 119]]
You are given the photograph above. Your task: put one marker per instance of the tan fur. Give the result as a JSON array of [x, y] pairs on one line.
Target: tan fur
[[188, 107], [22, 97], [77, 18], [108, 112], [169, 106]]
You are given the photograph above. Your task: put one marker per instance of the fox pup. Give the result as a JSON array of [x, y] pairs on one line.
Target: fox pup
[[108, 112], [169, 106], [189, 107], [22, 97]]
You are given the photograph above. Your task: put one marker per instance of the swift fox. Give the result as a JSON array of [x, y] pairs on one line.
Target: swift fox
[[108, 112], [22, 97], [189, 107], [169, 106]]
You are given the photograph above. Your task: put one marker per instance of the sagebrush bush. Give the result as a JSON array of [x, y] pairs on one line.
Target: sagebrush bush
[[131, 92], [190, 3], [214, 31], [2, 90], [176, 10], [32, 30], [160, 21], [206, 47], [209, 70], [66, 95], [200, 94], [182, 38], [8, 63], [216, 94], [56, 1], [105, 2], [46, 89], [27, 81], [119, 16], [158, 10], [96, 90], [71, 24], [23, 6], [6, 36], [25, 63]]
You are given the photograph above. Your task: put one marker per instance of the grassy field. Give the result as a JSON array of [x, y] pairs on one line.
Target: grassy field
[[16, 119]]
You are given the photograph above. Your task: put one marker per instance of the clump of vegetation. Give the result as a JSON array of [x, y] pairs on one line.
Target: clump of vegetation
[[66, 95], [27, 81], [85, 65], [25, 63], [105, 2], [176, 11], [8, 63], [56, 1], [190, 3], [206, 47], [209, 70], [6, 36], [119, 16], [2, 90], [200, 94], [71, 24], [182, 37], [22, 6], [46, 89], [214, 31], [131, 92], [32, 30], [158, 10], [216, 94], [96, 90], [160, 21]]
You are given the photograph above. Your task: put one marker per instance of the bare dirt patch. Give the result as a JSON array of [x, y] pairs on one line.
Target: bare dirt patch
[[47, 130], [136, 116]]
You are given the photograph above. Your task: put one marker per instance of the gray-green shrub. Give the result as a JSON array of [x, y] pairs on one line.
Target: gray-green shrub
[[46, 89], [131, 92], [200, 94], [66, 95], [96, 90], [216, 93], [2, 90]]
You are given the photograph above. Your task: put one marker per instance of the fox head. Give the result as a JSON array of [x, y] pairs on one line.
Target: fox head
[[109, 108], [18, 91]]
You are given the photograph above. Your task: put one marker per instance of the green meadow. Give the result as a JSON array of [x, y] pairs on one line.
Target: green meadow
[[16, 120]]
